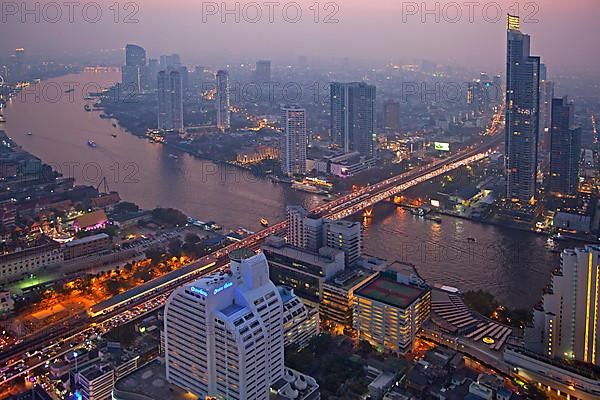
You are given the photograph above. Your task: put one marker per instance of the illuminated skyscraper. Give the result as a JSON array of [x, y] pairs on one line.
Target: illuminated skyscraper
[[224, 333], [222, 101], [565, 149], [132, 73], [522, 105], [170, 101], [294, 141], [546, 96], [353, 117], [568, 324]]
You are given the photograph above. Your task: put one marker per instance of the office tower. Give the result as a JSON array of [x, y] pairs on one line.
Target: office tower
[[132, 73], [170, 61], [353, 117], [222, 100], [170, 101], [546, 96], [293, 140], [18, 70], [391, 115], [185, 80], [263, 72], [568, 325], [224, 332], [153, 70], [522, 104], [346, 236], [565, 149], [389, 310]]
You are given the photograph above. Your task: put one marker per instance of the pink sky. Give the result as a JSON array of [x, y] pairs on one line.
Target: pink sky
[[565, 35]]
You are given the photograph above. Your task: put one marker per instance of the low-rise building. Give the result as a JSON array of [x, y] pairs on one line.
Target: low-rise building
[[349, 164], [90, 221], [17, 265], [303, 270], [556, 377], [571, 222], [338, 296], [86, 246], [390, 309], [6, 303]]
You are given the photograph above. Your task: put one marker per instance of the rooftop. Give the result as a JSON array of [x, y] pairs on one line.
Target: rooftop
[[232, 309], [386, 290], [149, 382], [87, 239]]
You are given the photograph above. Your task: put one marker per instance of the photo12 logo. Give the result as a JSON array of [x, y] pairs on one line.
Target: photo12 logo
[[69, 11], [270, 12]]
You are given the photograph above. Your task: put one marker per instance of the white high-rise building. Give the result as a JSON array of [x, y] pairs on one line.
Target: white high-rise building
[[224, 333], [170, 101], [295, 225], [568, 324], [223, 101], [294, 142]]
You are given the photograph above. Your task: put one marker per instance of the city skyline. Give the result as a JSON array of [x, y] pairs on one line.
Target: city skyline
[[408, 222], [441, 42]]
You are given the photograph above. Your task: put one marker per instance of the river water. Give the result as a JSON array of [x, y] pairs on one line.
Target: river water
[[513, 265]]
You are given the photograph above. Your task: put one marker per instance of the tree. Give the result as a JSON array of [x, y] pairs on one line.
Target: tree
[[126, 207], [192, 238], [113, 287], [169, 216], [175, 247], [155, 254], [481, 301]]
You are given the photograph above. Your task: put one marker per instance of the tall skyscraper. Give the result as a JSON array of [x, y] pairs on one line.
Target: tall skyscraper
[[294, 141], [546, 96], [391, 115], [353, 117], [222, 101], [522, 106], [153, 70], [224, 332], [170, 101], [132, 73], [170, 61], [568, 324], [565, 149], [263, 72]]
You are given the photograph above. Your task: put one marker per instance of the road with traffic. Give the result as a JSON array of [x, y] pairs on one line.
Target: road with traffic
[[39, 350]]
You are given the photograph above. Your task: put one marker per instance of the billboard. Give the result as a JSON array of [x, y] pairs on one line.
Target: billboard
[[441, 146]]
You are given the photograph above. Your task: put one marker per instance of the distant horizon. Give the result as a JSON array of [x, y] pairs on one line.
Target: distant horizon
[[370, 34]]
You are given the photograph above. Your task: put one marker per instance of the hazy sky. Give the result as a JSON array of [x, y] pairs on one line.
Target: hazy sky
[[565, 32]]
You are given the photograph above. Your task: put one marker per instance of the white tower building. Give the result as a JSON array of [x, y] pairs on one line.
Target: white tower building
[[294, 142], [568, 324], [224, 332]]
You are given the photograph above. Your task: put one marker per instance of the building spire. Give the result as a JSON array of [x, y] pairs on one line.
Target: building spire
[[513, 22]]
